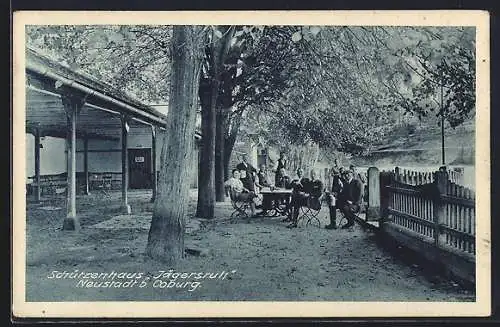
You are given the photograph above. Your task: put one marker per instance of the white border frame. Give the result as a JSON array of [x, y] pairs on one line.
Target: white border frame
[[122, 309]]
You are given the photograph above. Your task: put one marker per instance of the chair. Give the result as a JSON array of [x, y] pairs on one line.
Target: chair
[[309, 213], [343, 218], [103, 183], [240, 207], [108, 179]]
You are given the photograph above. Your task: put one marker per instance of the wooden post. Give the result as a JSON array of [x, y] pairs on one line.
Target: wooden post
[[86, 190], [72, 106], [373, 210], [125, 128], [154, 181], [441, 183], [385, 179], [38, 189]]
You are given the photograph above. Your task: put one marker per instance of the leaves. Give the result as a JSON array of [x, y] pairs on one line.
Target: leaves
[[297, 36], [315, 30], [217, 33], [132, 58], [342, 87]]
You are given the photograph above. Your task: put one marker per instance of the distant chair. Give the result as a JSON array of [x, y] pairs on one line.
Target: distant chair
[[103, 183], [60, 190]]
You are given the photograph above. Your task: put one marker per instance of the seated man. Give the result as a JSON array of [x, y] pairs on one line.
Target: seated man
[[262, 177], [247, 172], [240, 193], [307, 192], [295, 183], [299, 175], [357, 175], [261, 182], [350, 198]]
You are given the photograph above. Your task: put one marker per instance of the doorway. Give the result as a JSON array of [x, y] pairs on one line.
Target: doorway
[[140, 170]]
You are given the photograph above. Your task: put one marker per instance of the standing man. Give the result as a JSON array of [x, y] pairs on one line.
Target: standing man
[[249, 178], [280, 168], [350, 198], [357, 175], [333, 198]]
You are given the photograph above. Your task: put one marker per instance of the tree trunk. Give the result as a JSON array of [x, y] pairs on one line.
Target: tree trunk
[[227, 158], [166, 234], [206, 175], [212, 187], [219, 155], [230, 140]]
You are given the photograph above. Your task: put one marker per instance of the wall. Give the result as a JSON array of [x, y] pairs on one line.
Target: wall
[[103, 156], [52, 155]]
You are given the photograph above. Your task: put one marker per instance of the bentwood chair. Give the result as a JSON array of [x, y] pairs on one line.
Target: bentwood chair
[[240, 207], [310, 212]]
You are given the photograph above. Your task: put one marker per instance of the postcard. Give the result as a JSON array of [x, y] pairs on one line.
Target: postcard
[[251, 164]]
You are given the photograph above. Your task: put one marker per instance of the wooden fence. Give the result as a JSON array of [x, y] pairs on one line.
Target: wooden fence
[[430, 213]]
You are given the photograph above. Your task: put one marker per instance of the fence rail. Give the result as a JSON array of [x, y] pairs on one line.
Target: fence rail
[[440, 209], [428, 207]]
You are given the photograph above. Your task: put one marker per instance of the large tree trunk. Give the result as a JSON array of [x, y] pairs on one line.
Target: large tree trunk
[[225, 105], [230, 139], [166, 234], [227, 158], [219, 155], [206, 176], [212, 153]]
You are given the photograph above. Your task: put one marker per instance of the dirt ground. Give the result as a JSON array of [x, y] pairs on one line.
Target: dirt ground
[[255, 260]]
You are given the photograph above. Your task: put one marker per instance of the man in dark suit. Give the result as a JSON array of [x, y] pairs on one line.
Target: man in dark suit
[[306, 192], [333, 198], [281, 168], [249, 179], [350, 198]]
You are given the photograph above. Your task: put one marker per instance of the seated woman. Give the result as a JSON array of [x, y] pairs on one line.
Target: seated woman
[[240, 193]]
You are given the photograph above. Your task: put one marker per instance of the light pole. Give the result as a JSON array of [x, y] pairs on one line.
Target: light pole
[[442, 121], [442, 126]]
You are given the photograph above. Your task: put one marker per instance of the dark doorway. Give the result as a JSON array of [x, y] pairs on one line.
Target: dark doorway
[[139, 163]]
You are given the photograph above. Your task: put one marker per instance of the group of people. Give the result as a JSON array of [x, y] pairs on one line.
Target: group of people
[[346, 193], [246, 182]]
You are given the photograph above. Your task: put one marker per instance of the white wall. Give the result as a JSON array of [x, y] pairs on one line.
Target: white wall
[[52, 155]]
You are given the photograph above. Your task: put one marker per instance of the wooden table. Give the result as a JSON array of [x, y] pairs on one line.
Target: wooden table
[[278, 198]]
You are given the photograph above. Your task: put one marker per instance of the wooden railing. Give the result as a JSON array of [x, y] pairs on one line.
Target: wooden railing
[[433, 207], [456, 176], [433, 211], [459, 224]]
